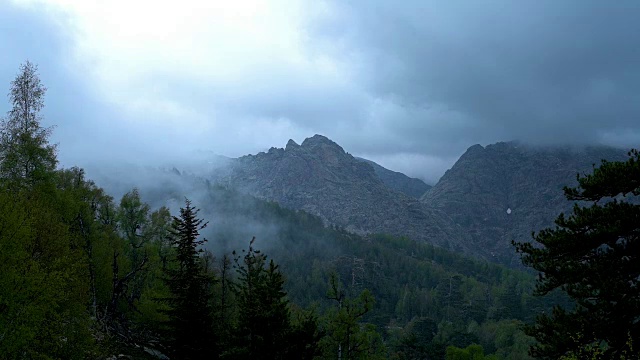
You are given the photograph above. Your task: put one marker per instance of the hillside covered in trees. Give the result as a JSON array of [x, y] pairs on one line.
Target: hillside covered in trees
[[87, 276]]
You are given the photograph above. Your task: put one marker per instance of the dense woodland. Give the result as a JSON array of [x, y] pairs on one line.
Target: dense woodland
[[87, 276]]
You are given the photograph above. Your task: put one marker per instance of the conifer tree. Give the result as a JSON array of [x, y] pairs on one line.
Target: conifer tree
[[593, 255], [263, 324], [190, 315]]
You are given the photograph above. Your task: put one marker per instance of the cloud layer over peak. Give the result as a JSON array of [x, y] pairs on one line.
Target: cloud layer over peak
[[409, 84]]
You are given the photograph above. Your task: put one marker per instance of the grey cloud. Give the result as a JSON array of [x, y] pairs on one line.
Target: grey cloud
[[84, 126], [424, 81], [542, 71]]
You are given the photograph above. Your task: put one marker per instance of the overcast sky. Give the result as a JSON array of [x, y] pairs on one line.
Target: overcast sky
[[409, 84]]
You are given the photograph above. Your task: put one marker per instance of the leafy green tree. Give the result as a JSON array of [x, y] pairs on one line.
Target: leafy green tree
[[148, 312], [593, 255], [43, 272], [78, 200], [43, 292], [416, 340], [190, 324], [26, 157], [133, 221], [346, 336], [510, 301], [471, 352]]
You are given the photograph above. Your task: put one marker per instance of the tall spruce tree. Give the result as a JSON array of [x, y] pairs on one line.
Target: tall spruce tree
[[594, 255], [264, 320], [26, 157], [190, 315]]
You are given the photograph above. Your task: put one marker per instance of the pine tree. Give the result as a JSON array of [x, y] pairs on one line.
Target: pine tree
[[264, 323], [26, 157], [594, 255], [190, 315]]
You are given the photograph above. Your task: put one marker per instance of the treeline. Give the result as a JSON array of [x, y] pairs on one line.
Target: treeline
[[426, 298]]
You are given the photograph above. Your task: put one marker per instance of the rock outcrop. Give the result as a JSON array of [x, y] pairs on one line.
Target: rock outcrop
[[506, 191], [412, 187]]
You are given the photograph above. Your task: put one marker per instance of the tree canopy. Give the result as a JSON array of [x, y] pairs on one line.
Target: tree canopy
[[27, 156], [594, 255]]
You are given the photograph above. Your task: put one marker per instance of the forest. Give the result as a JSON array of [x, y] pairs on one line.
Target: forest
[[87, 276]]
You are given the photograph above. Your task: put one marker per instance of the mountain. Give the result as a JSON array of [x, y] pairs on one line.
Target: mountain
[[398, 181], [491, 195], [319, 177], [503, 192]]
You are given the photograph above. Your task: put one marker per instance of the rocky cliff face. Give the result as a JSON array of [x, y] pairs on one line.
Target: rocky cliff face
[[505, 191], [492, 195], [398, 181], [318, 176]]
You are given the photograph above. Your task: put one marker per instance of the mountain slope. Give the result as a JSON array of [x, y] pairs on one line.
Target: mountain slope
[[320, 178], [398, 181], [505, 191]]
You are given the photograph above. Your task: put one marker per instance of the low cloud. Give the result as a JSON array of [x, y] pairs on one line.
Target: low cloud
[[410, 85]]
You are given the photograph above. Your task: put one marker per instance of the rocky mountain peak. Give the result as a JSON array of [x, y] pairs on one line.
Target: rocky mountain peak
[[327, 151], [319, 177], [291, 145], [504, 191], [474, 149], [319, 140]]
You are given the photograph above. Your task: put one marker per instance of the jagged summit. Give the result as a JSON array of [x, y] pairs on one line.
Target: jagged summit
[[291, 145], [477, 148], [319, 140], [504, 191], [319, 177], [492, 195]]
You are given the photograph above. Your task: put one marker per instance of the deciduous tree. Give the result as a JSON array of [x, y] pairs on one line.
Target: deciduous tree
[[26, 156]]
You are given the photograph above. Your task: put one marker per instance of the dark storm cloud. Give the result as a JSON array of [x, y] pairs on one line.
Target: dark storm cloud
[[543, 71], [410, 84]]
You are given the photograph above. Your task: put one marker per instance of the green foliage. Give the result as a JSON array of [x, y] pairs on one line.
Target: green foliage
[[346, 336], [409, 280], [471, 352], [597, 351], [42, 288], [26, 156], [592, 255]]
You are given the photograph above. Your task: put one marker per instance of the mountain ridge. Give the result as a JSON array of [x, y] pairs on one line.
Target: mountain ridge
[[319, 177], [412, 187], [507, 190], [490, 196]]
